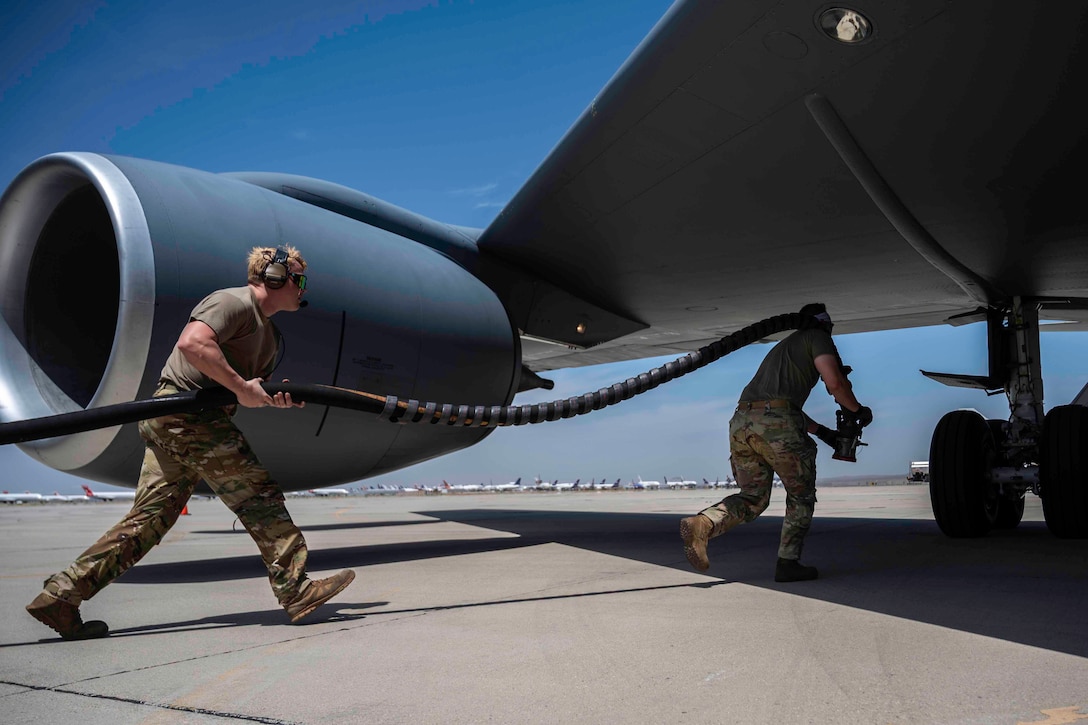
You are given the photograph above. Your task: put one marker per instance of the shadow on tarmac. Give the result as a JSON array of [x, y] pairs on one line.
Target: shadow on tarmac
[[260, 618], [238, 529], [1023, 585], [341, 611]]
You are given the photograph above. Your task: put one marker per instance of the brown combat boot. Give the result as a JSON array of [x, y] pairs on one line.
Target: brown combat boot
[[791, 570], [695, 531], [64, 618], [319, 592]]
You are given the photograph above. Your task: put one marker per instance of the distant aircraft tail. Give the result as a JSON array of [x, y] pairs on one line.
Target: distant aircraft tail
[[87, 490]]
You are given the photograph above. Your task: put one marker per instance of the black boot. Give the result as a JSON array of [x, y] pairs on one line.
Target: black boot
[[791, 570]]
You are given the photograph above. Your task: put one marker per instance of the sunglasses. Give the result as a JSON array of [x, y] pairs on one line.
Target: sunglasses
[[298, 279]]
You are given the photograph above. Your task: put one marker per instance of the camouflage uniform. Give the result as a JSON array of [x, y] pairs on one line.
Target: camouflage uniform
[[764, 440], [182, 450], [767, 435]]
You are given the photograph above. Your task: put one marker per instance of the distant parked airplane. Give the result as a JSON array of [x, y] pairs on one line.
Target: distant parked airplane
[[62, 498], [26, 497], [462, 487], [110, 495], [330, 492], [380, 490]]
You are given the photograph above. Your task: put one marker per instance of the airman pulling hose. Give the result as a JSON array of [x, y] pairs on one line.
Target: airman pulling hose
[[395, 410]]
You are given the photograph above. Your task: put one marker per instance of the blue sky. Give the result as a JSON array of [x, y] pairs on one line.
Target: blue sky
[[444, 108]]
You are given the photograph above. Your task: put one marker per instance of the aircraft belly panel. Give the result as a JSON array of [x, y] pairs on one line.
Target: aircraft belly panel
[[697, 195]]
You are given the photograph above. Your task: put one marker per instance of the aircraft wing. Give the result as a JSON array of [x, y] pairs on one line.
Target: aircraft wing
[[743, 162]]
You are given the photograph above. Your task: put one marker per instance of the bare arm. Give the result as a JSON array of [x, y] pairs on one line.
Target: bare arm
[[837, 385], [200, 346]]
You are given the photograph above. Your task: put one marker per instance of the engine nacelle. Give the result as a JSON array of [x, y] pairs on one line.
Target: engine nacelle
[[102, 259]]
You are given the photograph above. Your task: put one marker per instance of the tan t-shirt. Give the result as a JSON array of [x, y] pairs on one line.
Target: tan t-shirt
[[247, 338]]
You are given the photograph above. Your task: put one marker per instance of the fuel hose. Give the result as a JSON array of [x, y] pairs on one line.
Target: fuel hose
[[395, 410]]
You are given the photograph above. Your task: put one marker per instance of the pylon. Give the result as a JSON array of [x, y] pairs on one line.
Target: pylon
[[185, 510]]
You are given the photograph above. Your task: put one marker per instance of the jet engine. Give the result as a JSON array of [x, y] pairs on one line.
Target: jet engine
[[102, 258]]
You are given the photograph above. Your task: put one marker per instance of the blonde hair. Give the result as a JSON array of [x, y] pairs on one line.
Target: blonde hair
[[259, 258]]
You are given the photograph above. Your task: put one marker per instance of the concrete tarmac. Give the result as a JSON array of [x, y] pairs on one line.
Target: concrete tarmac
[[558, 608]]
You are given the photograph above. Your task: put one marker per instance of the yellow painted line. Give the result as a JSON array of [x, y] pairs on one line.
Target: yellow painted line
[[1058, 716]]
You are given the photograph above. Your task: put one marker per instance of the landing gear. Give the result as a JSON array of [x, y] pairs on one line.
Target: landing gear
[[961, 455], [1063, 471], [1009, 512], [980, 470], [1010, 502]]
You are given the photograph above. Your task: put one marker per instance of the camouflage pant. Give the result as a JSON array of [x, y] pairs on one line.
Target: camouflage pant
[[182, 450], [764, 442]]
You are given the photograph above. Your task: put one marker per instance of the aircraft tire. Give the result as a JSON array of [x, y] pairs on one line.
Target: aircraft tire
[[1063, 471], [961, 454]]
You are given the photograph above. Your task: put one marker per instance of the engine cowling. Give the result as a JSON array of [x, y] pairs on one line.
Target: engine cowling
[[102, 258]]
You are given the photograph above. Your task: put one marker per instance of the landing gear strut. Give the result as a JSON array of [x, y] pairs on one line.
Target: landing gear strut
[[981, 470]]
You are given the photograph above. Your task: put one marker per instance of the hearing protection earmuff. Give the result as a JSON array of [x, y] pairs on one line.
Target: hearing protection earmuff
[[275, 272]]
